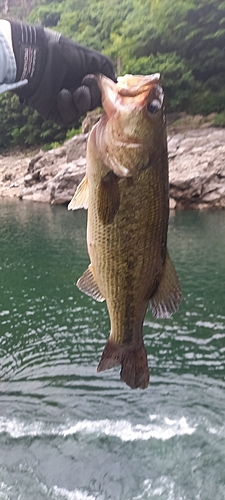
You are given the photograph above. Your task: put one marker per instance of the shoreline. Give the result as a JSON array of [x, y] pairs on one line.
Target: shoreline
[[196, 170]]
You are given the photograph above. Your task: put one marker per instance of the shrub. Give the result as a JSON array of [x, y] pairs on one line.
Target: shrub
[[21, 126]]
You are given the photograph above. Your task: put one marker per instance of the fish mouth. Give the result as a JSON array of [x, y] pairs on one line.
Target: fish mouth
[[138, 86], [129, 85], [135, 85]]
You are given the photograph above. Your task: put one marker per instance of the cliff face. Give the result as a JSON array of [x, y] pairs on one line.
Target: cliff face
[[49, 177], [196, 171]]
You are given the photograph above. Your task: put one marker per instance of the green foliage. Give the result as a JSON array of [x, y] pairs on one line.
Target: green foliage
[[72, 132], [52, 145], [205, 101], [91, 23], [69, 134], [219, 120], [23, 127], [184, 40], [176, 77], [48, 15]]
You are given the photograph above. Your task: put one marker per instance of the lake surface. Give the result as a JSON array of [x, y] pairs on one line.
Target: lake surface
[[68, 433]]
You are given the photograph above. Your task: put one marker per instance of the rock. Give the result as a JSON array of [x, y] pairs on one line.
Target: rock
[[29, 180], [65, 183], [53, 176], [76, 147], [183, 121], [90, 120], [34, 160], [196, 170], [172, 203]]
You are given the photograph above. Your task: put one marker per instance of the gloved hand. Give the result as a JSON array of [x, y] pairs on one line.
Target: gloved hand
[[60, 73]]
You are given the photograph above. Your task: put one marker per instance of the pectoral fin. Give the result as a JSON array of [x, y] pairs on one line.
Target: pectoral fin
[[168, 295], [108, 198], [88, 285], [80, 198]]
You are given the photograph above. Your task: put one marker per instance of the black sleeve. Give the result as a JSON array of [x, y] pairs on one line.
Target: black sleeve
[[55, 68]]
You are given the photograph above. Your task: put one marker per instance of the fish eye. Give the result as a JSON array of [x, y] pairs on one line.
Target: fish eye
[[154, 107]]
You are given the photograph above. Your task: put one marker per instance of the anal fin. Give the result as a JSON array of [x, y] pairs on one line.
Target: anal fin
[[134, 370], [88, 285], [168, 295], [80, 198]]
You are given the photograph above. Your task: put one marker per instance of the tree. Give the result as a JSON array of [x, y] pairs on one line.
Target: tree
[[184, 40], [21, 126]]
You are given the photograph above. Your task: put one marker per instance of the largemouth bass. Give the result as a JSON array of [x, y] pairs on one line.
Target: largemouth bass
[[126, 192]]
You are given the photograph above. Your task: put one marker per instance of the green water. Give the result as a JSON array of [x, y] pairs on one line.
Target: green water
[[67, 432]]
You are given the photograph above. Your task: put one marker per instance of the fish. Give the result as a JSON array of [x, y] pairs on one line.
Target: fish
[[126, 193]]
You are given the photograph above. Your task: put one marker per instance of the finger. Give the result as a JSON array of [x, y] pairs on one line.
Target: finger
[[67, 110], [107, 70], [91, 82], [82, 99]]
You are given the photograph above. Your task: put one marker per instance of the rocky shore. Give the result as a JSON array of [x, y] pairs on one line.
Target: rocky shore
[[196, 170]]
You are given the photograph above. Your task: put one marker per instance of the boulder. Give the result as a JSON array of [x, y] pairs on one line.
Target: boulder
[[53, 176], [197, 168]]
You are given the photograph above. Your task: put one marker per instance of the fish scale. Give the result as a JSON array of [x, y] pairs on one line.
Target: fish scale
[[127, 183]]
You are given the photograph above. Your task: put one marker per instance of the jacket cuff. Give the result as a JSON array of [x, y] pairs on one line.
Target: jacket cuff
[[29, 46]]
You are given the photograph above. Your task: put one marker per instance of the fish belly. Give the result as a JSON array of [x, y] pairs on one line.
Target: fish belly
[[127, 256]]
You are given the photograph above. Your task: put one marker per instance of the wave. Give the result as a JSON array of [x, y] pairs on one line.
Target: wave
[[55, 493], [64, 494], [4, 490], [162, 487], [158, 428], [125, 431]]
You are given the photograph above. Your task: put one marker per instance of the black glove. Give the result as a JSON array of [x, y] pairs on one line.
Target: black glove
[[61, 82]]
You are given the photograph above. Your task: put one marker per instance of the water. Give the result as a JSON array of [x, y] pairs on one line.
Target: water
[[68, 433]]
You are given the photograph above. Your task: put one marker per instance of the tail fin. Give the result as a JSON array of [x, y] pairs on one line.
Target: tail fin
[[134, 371]]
